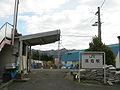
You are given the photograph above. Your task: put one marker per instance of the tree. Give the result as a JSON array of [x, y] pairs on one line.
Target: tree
[[45, 57], [38, 56], [97, 45], [35, 55]]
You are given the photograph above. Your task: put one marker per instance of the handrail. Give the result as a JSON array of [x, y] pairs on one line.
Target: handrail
[[5, 24], [5, 34], [6, 31]]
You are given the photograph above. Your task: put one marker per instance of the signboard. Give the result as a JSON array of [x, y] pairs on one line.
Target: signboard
[[93, 59]]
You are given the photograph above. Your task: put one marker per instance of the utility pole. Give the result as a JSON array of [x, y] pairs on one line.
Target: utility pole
[[14, 31], [59, 54], [99, 23]]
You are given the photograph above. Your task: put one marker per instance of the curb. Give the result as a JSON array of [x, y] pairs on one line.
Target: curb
[[3, 85]]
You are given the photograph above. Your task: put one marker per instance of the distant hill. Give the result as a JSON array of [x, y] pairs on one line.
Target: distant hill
[[114, 48], [53, 52]]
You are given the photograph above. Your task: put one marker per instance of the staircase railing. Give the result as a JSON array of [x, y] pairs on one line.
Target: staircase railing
[[5, 34]]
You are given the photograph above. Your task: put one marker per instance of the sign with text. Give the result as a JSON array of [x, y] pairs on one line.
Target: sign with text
[[93, 59]]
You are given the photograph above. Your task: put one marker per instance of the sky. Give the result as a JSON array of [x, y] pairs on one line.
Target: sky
[[73, 17]]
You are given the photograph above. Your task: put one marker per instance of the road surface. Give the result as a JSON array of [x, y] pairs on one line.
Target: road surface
[[41, 79]]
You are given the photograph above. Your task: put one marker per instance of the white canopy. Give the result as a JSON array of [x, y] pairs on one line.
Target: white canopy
[[41, 38]]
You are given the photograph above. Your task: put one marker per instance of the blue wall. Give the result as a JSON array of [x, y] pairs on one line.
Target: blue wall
[[114, 48], [71, 56], [74, 55]]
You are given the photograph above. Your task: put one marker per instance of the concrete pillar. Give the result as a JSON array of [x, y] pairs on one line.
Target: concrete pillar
[[21, 58], [26, 57], [30, 57]]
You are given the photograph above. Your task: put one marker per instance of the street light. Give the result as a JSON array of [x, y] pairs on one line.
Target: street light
[[95, 24]]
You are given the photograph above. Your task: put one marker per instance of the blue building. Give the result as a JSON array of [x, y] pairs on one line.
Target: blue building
[[72, 57], [114, 48]]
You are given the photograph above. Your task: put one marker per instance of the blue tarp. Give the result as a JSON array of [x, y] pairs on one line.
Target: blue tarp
[[70, 65], [33, 65], [67, 65], [14, 74]]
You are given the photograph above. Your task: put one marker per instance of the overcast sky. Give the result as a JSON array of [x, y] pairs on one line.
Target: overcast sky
[[73, 17]]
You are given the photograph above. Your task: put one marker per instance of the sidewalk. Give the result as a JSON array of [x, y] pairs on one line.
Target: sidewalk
[[3, 85]]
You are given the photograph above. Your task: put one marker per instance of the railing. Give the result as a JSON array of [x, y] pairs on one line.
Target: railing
[[5, 34], [6, 31]]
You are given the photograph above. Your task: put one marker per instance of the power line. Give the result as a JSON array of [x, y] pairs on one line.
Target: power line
[[62, 44], [61, 41], [90, 21], [95, 16], [102, 4], [76, 36]]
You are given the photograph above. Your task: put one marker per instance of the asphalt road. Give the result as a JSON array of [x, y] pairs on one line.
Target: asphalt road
[[54, 80]]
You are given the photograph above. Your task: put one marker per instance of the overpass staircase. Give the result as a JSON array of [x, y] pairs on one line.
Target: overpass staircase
[[5, 35]]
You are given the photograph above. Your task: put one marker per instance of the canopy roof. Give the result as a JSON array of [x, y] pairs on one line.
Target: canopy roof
[[41, 38]]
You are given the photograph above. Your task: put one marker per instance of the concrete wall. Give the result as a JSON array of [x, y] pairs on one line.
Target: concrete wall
[[8, 55]]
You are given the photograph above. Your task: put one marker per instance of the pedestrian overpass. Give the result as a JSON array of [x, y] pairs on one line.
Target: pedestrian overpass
[[18, 52]]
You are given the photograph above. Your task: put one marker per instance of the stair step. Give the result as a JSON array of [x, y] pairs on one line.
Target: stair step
[[5, 41]]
